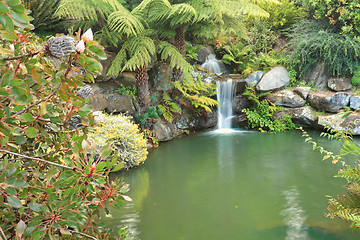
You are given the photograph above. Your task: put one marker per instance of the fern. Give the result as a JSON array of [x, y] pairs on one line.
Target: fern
[[124, 22], [168, 51]]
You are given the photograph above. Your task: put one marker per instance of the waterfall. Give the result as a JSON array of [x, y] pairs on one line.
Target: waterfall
[[225, 95], [214, 65]]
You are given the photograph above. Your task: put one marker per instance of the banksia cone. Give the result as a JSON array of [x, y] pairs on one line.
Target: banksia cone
[[60, 46]]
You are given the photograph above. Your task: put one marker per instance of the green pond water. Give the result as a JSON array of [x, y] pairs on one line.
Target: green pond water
[[240, 185]]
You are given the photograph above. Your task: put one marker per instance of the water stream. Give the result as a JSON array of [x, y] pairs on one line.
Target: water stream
[[225, 95], [238, 185]]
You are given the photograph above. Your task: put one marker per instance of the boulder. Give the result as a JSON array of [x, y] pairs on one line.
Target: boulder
[[120, 104], [317, 76], [85, 92], [302, 116], [302, 91], [253, 79], [286, 98], [240, 102], [339, 84], [162, 130], [276, 78], [162, 78], [329, 101], [349, 124], [203, 53], [355, 102], [186, 122]]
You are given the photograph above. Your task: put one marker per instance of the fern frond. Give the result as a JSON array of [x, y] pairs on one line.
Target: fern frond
[[350, 174], [141, 50], [117, 64], [167, 51], [122, 21], [168, 116]]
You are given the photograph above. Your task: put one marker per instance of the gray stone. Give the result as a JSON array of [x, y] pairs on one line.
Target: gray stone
[[204, 52], [162, 131], [349, 124], [276, 78], [317, 76], [120, 104], [355, 102], [187, 122], [85, 92], [339, 84], [303, 91], [163, 77], [240, 102], [254, 78], [302, 116], [286, 98], [208, 121], [329, 101]]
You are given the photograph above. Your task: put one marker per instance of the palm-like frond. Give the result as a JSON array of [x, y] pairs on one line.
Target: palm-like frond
[[168, 50], [124, 22]]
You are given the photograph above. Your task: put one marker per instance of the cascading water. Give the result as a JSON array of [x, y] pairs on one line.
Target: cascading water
[[214, 65], [225, 95]]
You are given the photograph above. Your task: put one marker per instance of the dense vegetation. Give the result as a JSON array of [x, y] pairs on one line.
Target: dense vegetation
[[43, 155]]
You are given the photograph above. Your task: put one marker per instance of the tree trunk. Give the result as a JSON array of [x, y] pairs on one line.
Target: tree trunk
[[180, 45], [142, 83]]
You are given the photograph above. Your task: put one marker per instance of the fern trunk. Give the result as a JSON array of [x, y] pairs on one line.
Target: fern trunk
[[142, 83], [180, 45]]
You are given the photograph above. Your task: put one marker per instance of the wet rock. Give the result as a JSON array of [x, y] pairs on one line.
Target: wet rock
[[339, 84], [208, 121], [302, 116], [303, 91], [329, 101], [355, 102], [204, 52], [317, 76], [287, 98], [349, 124], [254, 78], [162, 131], [187, 122], [276, 78], [241, 120], [162, 78], [240, 102]]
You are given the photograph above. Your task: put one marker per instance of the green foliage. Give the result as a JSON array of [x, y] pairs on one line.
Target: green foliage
[[343, 15], [355, 80], [198, 93], [261, 114], [169, 108], [151, 112], [312, 44], [238, 56], [52, 182], [123, 137], [191, 51], [43, 13], [129, 90]]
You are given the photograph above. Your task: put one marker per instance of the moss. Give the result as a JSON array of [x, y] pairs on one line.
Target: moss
[[124, 137]]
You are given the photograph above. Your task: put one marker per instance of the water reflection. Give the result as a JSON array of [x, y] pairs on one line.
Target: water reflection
[[294, 216]]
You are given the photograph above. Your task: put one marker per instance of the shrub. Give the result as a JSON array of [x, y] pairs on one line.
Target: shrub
[[50, 188], [355, 80], [261, 114], [312, 43], [123, 136]]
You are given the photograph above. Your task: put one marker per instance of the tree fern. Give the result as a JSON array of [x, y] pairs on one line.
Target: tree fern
[[122, 21], [168, 51]]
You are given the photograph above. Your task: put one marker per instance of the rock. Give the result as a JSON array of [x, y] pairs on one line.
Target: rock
[[106, 64], [162, 78], [286, 98], [253, 79], [186, 122], [349, 124], [317, 76], [127, 78], [75, 122], [241, 120], [302, 116], [204, 52], [162, 131], [329, 101], [240, 102], [276, 78], [355, 102], [120, 104], [208, 121], [339, 84], [85, 92], [303, 91]]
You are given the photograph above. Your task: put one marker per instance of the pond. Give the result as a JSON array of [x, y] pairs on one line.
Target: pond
[[236, 185]]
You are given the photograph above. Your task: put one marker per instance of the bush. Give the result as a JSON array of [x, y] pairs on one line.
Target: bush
[[355, 80], [123, 136], [312, 43], [50, 187], [344, 16]]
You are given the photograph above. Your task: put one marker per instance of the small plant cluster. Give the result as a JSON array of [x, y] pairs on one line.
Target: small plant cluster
[[128, 90], [151, 112], [312, 43], [355, 80], [123, 137], [261, 114], [52, 182]]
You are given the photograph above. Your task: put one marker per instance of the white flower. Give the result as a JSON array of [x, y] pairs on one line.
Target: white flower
[[88, 35], [80, 47], [12, 47]]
